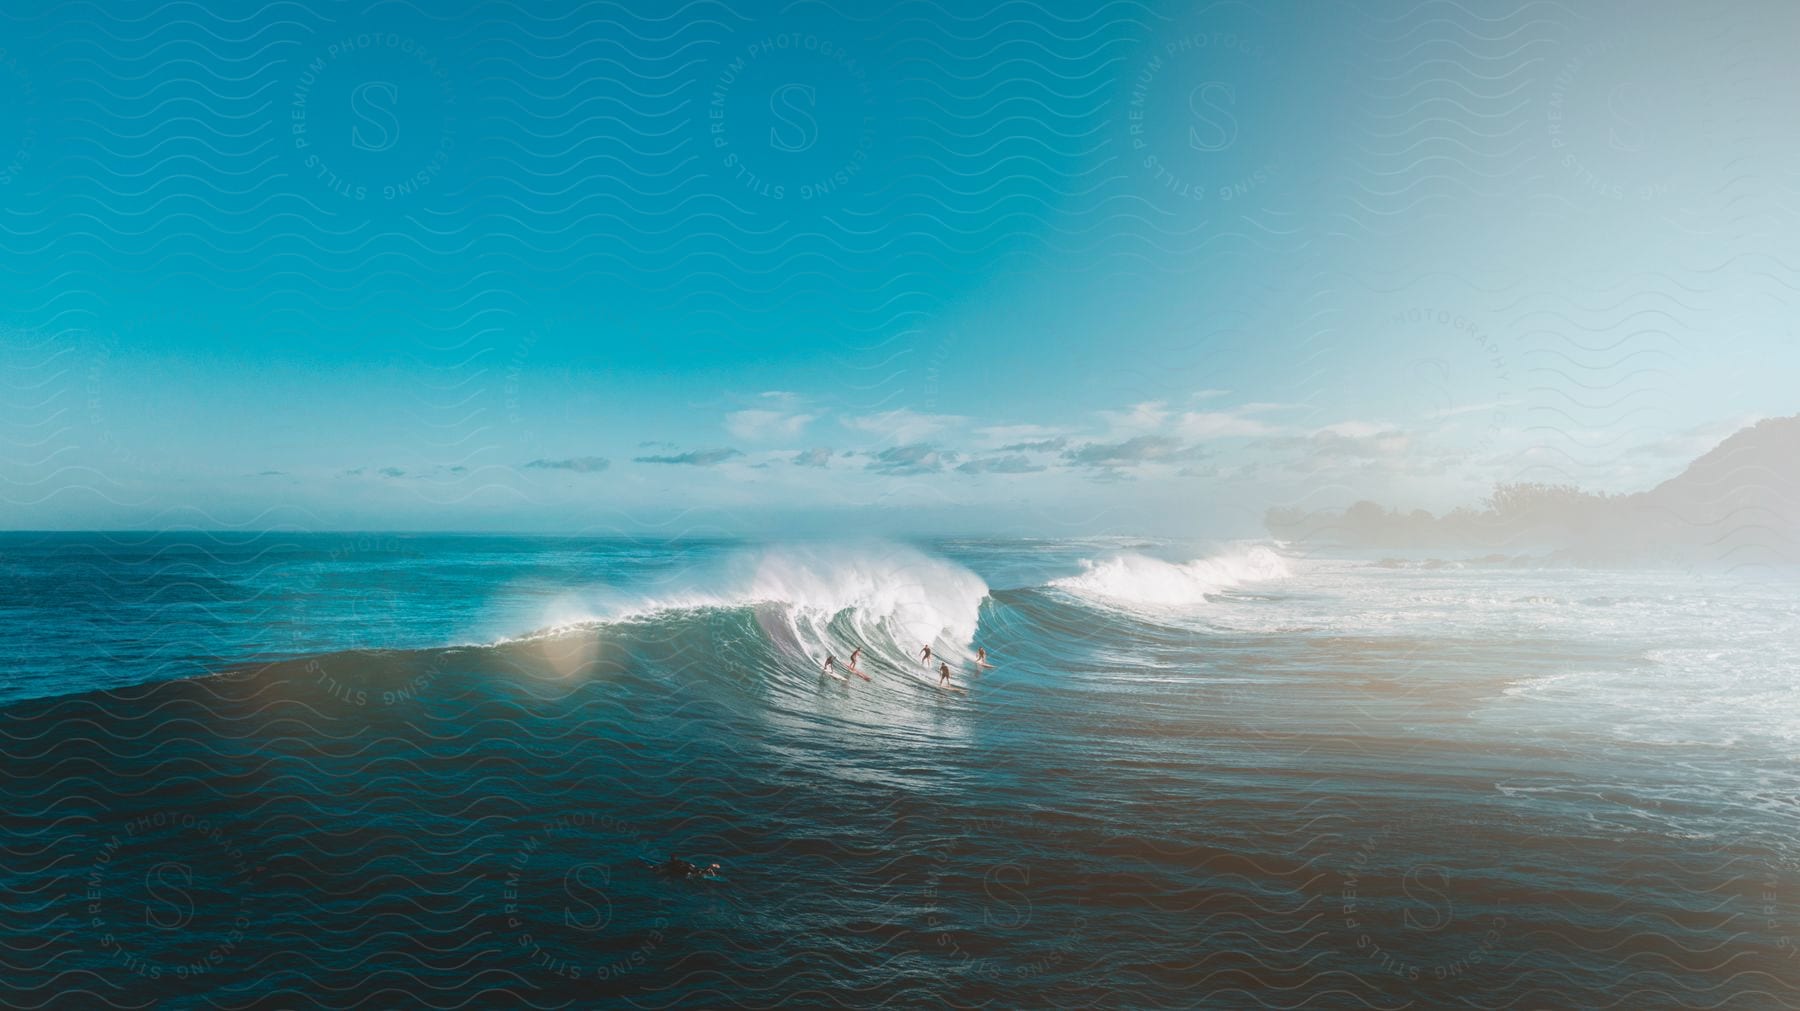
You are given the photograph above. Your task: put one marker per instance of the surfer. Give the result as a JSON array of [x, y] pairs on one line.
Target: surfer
[[829, 662], [925, 655], [981, 658], [943, 675], [854, 669], [675, 867]]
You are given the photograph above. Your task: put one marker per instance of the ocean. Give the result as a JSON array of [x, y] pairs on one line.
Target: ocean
[[289, 769]]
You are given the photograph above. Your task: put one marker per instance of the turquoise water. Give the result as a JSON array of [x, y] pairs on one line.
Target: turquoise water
[[388, 770]]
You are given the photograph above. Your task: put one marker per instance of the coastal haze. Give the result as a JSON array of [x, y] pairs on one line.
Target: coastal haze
[[440, 452]]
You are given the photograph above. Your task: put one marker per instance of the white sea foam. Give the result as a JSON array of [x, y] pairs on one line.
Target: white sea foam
[[1140, 579], [813, 598]]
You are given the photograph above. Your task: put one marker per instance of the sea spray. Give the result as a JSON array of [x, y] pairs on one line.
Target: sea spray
[[812, 599], [1140, 579]]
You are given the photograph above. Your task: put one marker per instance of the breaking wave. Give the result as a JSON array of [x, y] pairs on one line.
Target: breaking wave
[[814, 599], [1142, 580]]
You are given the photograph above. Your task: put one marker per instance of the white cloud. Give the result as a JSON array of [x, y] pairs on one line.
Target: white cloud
[[1219, 425], [995, 436], [1141, 419], [1452, 412], [903, 424], [1355, 429], [755, 424]]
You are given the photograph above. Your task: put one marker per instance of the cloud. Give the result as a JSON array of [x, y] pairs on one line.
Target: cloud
[[693, 458], [916, 458], [904, 425], [578, 464], [756, 424], [1001, 465], [1355, 429], [1445, 413], [999, 437], [1149, 416], [1055, 445], [1140, 449], [1360, 445], [819, 457], [1219, 425]]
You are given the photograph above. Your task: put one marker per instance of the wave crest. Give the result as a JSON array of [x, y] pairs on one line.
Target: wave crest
[[1140, 579], [890, 599]]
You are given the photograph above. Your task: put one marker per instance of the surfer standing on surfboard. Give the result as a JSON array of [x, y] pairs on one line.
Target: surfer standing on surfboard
[[943, 675], [854, 669], [981, 658], [925, 655]]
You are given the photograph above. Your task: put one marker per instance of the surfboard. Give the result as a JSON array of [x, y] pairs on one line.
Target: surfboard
[[953, 688], [835, 674]]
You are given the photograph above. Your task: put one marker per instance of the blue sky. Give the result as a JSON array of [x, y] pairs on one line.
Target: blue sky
[[748, 267]]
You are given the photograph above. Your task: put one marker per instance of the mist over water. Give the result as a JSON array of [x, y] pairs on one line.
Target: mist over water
[[1197, 775]]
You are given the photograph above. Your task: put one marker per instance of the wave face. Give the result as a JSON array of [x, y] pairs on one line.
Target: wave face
[[1140, 579], [819, 599], [1355, 778]]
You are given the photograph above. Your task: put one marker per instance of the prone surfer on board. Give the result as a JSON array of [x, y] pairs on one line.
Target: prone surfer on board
[[676, 867]]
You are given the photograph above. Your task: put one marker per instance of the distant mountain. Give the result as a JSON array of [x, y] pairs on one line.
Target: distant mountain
[[1739, 504]]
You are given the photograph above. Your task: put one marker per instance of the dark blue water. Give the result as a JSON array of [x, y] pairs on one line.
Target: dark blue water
[[300, 770]]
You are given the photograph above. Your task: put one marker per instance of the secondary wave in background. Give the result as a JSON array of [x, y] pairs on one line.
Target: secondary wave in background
[[1137, 579]]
